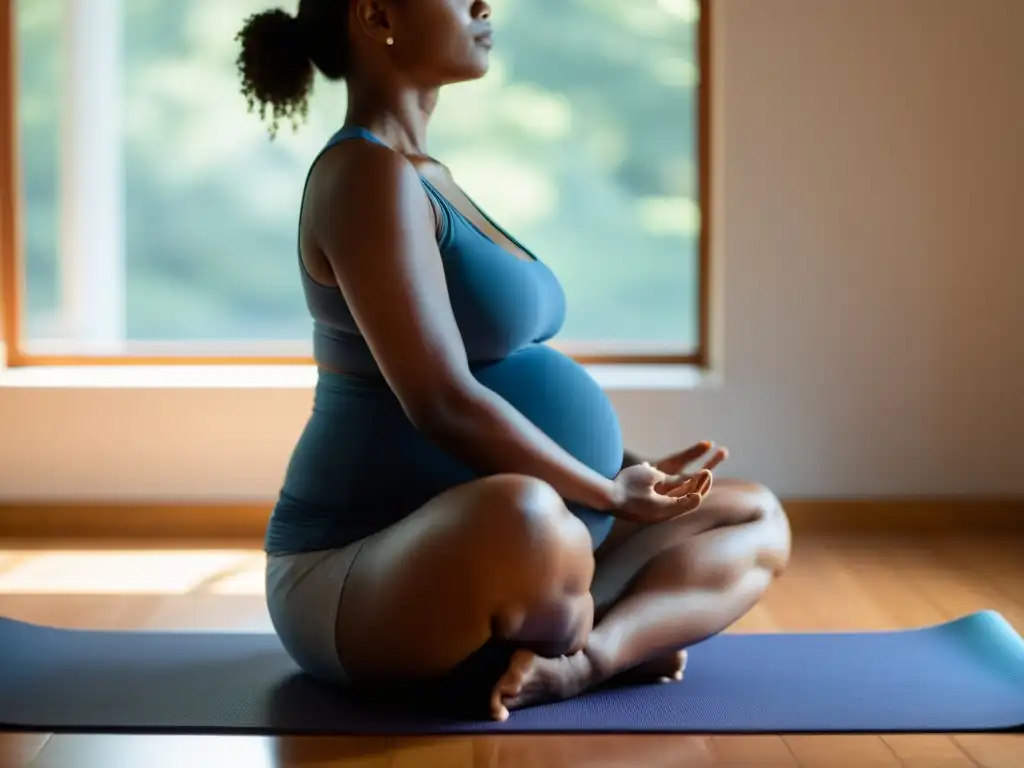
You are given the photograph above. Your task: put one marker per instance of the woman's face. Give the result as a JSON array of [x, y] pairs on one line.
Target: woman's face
[[437, 42]]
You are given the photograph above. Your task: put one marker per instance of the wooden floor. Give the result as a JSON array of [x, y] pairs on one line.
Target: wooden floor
[[834, 583]]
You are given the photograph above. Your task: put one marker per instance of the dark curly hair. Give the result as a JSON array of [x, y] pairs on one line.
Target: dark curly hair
[[278, 53]]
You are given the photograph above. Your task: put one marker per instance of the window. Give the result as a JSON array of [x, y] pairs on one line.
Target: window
[[149, 217]]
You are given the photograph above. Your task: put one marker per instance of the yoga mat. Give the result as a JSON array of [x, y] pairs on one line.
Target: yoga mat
[[967, 675]]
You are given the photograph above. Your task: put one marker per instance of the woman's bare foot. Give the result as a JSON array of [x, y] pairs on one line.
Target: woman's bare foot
[[666, 668], [532, 679]]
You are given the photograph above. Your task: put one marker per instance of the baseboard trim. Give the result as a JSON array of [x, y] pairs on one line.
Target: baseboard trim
[[240, 523], [244, 524], [907, 515]]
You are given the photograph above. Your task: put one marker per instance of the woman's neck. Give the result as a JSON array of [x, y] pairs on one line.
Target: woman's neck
[[399, 116]]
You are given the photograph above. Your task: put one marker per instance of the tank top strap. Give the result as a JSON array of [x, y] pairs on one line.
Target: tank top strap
[[446, 214], [352, 132]]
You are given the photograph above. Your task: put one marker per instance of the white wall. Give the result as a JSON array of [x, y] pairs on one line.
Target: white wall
[[869, 212]]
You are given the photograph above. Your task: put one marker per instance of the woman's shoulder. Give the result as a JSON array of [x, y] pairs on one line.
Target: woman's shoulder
[[364, 167], [369, 176]]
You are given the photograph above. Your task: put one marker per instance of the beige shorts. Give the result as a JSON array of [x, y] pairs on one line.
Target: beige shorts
[[303, 592]]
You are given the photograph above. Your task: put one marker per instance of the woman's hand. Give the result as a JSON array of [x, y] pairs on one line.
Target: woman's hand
[[674, 466], [651, 496]]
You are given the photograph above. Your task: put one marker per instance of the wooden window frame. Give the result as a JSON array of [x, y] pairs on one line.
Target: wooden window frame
[[11, 238]]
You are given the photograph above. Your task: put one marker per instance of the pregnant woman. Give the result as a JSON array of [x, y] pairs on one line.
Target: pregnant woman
[[460, 498]]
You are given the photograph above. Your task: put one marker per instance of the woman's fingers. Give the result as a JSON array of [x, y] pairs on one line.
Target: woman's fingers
[[677, 462], [683, 485], [683, 496], [707, 480], [720, 455], [675, 484]]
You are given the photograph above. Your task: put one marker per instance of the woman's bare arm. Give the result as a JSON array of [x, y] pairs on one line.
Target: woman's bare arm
[[376, 228]]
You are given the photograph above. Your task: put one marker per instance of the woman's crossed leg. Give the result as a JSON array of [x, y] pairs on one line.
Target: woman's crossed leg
[[502, 560]]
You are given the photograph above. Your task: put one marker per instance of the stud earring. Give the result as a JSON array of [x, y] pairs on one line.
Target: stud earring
[[390, 40]]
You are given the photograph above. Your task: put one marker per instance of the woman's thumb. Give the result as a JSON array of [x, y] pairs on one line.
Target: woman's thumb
[[651, 475]]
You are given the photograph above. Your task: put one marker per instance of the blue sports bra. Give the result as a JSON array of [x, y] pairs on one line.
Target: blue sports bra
[[501, 303]]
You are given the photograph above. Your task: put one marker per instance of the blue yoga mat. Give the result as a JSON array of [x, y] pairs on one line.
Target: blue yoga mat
[[967, 675]]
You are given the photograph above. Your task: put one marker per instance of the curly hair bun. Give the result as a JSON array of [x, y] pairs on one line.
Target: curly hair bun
[[276, 71]]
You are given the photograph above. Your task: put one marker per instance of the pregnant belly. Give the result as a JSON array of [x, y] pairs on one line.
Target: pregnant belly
[[562, 400], [361, 465]]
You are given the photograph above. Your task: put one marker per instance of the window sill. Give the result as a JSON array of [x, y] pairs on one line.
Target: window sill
[[285, 377]]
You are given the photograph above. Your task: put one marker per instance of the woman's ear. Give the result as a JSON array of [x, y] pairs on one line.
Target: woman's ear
[[373, 18]]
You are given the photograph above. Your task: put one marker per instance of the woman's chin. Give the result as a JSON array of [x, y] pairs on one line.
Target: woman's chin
[[474, 69]]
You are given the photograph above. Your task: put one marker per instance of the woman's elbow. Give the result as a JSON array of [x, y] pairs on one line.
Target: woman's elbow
[[441, 411]]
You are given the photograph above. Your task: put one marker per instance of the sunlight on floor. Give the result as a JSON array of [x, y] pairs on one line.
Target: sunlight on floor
[[159, 752], [97, 572], [248, 582]]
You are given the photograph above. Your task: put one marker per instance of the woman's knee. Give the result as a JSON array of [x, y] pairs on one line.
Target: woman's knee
[[776, 538], [498, 557], [546, 564], [752, 534], [528, 516]]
